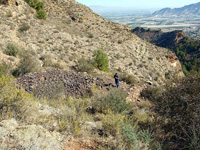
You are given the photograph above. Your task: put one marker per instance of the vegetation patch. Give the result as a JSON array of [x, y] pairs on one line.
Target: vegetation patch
[[39, 7], [12, 50], [114, 100], [24, 27], [101, 60], [85, 66], [129, 79], [177, 106], [27, 65]]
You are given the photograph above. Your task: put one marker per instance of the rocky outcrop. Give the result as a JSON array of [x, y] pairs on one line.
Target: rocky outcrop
[[136, 90], [9, 2], [28, 137], [57, 82], [157, 37]]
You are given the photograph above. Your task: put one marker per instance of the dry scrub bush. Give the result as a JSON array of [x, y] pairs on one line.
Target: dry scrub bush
[[49, 63], [27, 65], [4, 68], [14, 102], [24, 27], [73, 116], [114, 100], [12, 50], [85, 66], [129, 79], [178, 104]]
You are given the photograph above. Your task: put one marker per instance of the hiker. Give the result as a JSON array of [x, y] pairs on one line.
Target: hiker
[[116, 76]]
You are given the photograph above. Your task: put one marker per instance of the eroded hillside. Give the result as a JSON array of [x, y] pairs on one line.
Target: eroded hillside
[[72, 31]]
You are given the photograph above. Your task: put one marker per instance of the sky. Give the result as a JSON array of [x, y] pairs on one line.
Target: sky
[[139, 3]]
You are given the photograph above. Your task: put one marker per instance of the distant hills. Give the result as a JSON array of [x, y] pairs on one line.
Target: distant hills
[[188, 10], [119, 11]]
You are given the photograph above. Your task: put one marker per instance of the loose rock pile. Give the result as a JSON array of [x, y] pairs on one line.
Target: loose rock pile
[[53, 83]]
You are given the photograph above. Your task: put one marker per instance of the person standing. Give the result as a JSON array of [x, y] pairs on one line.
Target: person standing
[[116, 76]]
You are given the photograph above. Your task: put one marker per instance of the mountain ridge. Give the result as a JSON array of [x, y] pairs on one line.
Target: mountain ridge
[[192, 9], [187, 49]]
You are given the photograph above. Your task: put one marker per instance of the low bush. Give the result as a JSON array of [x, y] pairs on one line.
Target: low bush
[[27, 65], [12, 50], [114, 100], [41, 14], [4, 68], [73, 116], [49, 63], [129, 79], [24, 27], [85, 66], [14, 102], [112, 123], [129, 136]]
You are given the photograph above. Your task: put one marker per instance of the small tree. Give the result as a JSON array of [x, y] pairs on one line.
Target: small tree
[[101, 60]]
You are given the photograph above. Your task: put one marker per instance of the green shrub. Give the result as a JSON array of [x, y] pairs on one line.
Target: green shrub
[[24, 27], [129, 79], [112, 123], [114, 100], [41, 14], [146, 136], [101, 60], [39, 7], [12, 50], [130, 138], [15, 102], [84, 66]]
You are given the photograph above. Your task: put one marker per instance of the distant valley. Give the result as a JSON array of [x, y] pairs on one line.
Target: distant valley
[[165, 19]]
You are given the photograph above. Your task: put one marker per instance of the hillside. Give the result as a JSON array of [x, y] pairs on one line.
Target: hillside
[[189, 10], [72, 31], [57, 91], [187, 49], [159, 38]]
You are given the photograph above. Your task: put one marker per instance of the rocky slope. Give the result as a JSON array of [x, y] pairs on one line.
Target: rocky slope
[[193, 9], [186, 49], [72, 31], [163, 39]]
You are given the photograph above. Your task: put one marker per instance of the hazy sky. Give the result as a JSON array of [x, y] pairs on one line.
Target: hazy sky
[[139, 3]]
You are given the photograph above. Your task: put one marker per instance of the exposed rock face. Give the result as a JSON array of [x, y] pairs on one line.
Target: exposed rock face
[[26, 137], [159, 38], [135, 91], [73, 31], [57, 82], [9, 2]]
